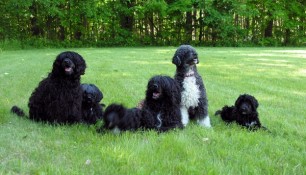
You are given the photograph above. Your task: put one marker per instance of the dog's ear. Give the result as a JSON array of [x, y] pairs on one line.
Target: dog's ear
[[172, 91], [255, 103], [238, 101], [99, 96], [80, 64], [57, 65], [96, 91], [176, 60]]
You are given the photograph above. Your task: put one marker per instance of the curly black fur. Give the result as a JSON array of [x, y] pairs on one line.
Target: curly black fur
[[244, 112], [91, 108], [58, 98], [194, 103], [160, 111]]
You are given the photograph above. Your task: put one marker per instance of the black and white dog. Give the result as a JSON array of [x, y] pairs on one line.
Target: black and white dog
[[92, 110], [194, 103], [160, 110], [244, 112]]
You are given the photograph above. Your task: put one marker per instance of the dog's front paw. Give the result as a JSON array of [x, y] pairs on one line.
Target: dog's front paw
[[205, 122]]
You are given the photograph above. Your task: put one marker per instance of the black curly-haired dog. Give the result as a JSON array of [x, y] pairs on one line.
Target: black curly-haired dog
[[244, 112], [92, 110], [194, 104], [58, 98], [160, 110]]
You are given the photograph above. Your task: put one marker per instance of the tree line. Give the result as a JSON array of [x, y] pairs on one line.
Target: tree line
[[153, 22]]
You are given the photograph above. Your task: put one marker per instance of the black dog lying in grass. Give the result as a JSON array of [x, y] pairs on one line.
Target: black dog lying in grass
[[92, 110], [244, 112], [160, 110]]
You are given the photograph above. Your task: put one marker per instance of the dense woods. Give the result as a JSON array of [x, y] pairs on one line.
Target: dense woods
[[60, 23]]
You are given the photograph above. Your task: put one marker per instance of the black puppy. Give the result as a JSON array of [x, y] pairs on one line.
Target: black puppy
[[160, 110], [244, 112], [92, 110]]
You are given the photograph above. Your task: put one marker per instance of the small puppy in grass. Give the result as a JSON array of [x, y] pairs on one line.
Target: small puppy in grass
[[92, 110], [244, 112]]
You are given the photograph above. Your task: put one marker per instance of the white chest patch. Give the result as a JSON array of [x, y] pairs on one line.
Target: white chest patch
[[191, 92]]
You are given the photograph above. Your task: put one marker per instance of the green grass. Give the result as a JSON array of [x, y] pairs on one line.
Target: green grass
[[275, 76]]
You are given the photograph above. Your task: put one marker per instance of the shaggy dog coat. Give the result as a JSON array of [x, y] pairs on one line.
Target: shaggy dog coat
[[244, 112], [91, 107], [160, 110], [58, 98], [194, 103]]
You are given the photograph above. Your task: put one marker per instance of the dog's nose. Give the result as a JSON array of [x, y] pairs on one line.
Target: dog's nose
[[67, 61], [244, 107], [155, 86]]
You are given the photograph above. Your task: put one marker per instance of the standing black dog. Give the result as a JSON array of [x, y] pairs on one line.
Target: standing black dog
[[91, 108], [58, 98], [244, 112], [194, 104], [160, 110]]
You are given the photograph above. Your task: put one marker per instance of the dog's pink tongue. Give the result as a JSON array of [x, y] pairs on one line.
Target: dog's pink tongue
[[155, 95], [68, 69]]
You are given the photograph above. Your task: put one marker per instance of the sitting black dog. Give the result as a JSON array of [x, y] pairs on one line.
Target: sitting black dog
[[92, 110], [244, 112], [58, 97]]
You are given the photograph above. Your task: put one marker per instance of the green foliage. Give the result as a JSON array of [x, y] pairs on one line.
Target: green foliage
[[153, 22], [275, 76]]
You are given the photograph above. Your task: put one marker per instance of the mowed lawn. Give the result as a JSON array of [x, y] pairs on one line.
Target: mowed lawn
[[275, 76]]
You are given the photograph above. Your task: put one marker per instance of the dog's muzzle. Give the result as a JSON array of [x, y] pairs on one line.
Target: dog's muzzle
[[156, 94], [68, 66], [245, 108], [89, 99]]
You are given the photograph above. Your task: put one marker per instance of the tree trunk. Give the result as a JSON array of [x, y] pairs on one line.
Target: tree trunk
[[188, 28], [201, 26], [269, 28]]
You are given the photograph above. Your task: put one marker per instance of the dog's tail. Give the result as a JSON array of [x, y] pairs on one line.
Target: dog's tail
[[18, 111]]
